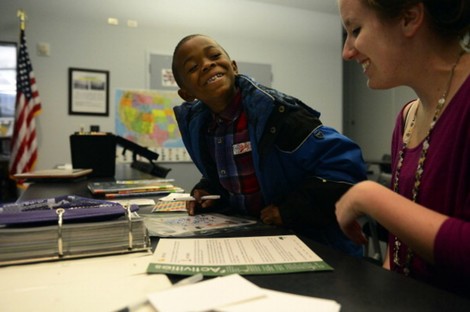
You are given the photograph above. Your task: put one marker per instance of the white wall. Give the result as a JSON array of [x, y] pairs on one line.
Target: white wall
[[304, 48]]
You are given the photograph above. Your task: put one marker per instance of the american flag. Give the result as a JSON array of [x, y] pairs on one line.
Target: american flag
[[24, 149]]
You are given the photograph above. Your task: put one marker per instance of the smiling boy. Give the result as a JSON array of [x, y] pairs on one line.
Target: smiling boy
[[266, 153]]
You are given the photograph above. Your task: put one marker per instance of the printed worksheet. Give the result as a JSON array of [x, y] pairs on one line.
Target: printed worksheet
[[241, 255], [185, 225]]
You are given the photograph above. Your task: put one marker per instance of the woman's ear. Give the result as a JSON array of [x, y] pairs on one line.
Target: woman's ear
[[185, 95], [413, 19]]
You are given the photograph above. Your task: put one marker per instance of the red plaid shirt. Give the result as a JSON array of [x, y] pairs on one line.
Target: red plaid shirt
[[230, 148]]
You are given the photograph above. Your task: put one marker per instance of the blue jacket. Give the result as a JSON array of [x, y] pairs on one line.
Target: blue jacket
[[302, 166]]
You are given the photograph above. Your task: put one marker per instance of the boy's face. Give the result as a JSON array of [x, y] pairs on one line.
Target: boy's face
[[206, 73]]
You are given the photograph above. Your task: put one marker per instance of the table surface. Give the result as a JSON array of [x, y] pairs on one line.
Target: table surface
[[357, 284]]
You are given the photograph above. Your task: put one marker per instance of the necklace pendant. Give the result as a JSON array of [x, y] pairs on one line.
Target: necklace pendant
[[425, 145], [396, 258], [396, 261]]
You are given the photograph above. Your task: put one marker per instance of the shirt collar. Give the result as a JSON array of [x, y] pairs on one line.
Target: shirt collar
[[231, 112]]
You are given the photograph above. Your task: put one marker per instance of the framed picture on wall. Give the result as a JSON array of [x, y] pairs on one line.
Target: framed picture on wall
[[88, 92]]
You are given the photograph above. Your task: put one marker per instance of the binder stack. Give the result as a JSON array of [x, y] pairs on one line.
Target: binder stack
[[68, 227]]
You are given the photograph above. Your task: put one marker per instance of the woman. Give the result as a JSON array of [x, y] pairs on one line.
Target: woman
[[423, 45]]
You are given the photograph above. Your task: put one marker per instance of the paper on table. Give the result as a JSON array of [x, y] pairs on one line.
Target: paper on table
[[233, 293], [206, 295], [54, 174], [242, 255], [175, 196], [135, 201], [91, 284], [184, 225], [279, 301]]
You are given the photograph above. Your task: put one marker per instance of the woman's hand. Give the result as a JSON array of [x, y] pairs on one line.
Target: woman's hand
[[348, 210]]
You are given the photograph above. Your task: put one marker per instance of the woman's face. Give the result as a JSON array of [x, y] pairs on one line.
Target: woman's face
[[373, 43]]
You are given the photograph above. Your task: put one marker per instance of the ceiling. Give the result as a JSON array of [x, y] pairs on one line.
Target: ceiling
[[155, 13], [324, 6], [144, 11]]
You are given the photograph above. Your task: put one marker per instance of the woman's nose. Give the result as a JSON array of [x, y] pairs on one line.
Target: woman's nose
[[349, 51]]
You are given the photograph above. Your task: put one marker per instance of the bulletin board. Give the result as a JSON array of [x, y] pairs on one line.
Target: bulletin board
[[160, 76]]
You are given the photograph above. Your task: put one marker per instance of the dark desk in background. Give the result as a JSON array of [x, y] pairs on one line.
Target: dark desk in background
[[7, 186], [356, 284], [79, 187]]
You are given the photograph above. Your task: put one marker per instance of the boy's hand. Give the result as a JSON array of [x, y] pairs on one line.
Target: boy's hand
[[194, 205], [271, 215]]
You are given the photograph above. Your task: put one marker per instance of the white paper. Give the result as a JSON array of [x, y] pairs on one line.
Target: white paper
[[206, 295], [175, 196], [135, 201], [279, 301], [242, 255], [233, 293], [92, 284]]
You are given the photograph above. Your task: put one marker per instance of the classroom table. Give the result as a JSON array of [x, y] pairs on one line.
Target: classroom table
[[355, 283]]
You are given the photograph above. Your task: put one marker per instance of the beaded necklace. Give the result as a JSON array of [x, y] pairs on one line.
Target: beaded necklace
[[420, 167]]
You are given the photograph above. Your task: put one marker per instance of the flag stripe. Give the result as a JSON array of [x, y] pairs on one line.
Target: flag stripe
[[24, 149]]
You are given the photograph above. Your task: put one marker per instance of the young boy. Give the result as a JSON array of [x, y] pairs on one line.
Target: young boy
[[266, 153]]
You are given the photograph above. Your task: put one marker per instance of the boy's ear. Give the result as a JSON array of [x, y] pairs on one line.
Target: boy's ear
[[185, 95], [235, 67], [413, 19]]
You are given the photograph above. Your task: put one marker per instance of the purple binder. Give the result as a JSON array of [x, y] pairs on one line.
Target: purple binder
[[75, 208]]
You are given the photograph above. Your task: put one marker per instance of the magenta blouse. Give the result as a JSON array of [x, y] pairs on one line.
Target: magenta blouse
[[445, 187]]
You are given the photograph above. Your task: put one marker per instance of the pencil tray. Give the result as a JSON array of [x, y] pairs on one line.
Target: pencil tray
[[75, 209]]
